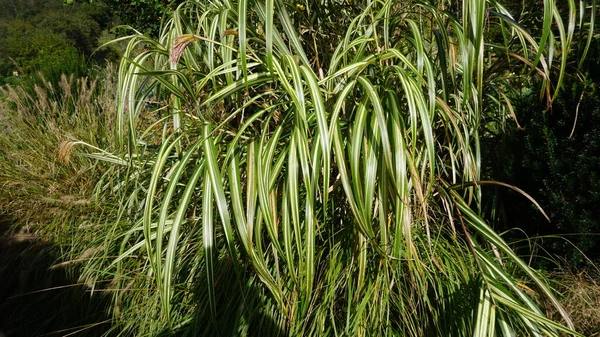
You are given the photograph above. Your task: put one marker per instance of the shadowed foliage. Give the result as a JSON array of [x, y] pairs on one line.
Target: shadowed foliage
[[553, 156]]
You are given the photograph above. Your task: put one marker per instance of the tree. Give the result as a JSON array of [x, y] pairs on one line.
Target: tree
[[313, 168]]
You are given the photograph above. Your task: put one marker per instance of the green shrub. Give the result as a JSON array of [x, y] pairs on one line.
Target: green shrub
[[554, 157], [51, 39], [144, 15]]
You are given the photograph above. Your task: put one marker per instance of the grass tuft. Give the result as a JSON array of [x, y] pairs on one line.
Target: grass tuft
[[46, 207], [579, 292]]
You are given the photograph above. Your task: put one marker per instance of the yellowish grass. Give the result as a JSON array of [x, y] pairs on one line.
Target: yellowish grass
[[580, 296]]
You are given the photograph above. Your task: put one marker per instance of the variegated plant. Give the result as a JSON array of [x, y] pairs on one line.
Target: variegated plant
[[313, 168]]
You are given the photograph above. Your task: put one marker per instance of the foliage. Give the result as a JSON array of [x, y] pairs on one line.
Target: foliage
[[144, 15], [49, 38], [81, 24], [34, 50], [311, 168], [554, 156], [24, 9]]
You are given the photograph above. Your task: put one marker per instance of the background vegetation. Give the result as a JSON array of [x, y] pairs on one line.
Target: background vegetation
[[53, 39], [145, 15], [553, 155]]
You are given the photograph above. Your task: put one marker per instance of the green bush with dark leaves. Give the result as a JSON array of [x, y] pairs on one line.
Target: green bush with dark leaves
[[49, 38], [554, 156]]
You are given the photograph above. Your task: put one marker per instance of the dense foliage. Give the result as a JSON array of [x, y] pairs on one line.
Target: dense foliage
[[554, 156], [47, 37], [313, 169], [144, 15]]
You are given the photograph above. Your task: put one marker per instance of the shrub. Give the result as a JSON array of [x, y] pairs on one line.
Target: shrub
[[51, 39], [554, 157]]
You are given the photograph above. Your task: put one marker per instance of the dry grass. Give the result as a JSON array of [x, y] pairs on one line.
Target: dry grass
[[45, 195], [38, 127], [580, 295]]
